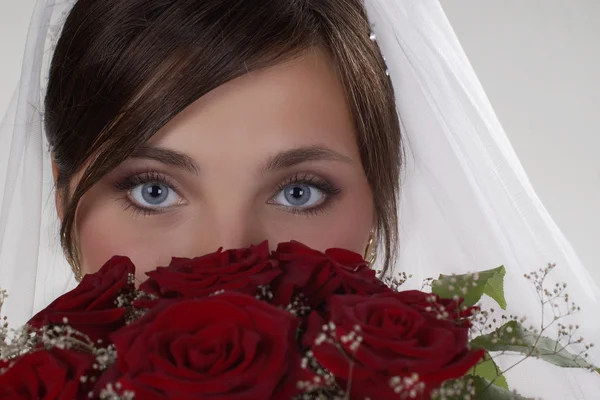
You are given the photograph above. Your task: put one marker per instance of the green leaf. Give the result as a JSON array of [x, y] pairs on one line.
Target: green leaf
[[473, 387], [488, 370], [514, 337], [472, 286], [495, 287], [486, 391]]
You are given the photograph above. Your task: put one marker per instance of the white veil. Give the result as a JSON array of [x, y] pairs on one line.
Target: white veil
[[32, 268], [466, 202]]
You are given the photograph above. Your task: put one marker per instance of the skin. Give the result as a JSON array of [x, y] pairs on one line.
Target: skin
[[230, 197]]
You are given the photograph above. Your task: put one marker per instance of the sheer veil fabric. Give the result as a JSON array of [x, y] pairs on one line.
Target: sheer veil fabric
[[32, 268], [466, 202]]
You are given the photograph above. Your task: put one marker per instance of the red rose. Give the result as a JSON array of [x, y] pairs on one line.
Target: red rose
[[396, 342], [317, 275], [46, 375], [240, 270], [227, 346], [91, 307]]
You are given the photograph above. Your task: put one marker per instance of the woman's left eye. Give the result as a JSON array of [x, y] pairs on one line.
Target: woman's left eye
[[300, 196], [154, 195]]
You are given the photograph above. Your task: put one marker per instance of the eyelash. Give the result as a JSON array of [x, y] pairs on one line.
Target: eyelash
[[324, 186], [330, 192], [129, 182]]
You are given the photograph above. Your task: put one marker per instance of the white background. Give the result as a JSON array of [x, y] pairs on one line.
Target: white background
[[539, 61]]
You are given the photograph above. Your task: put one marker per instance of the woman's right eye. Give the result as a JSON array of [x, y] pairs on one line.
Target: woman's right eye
[[154, 196]]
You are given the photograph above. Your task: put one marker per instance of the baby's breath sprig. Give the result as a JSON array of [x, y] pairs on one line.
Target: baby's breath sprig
[[320, 393], [427, 283], [5, 333], [503, 334], [463, 389], [323, 383], [439, 310], [264, 293], [128, 297], [115, 392], [396, 282], [299, 307], [105, 357], [16, 343], [487, 321], [65, 337], [3, 296], [407, 387]]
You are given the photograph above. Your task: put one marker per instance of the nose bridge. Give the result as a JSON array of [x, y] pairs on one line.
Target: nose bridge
[[237, 228], [231, 207]]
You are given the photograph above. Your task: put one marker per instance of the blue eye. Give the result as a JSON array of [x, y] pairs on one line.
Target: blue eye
[[300, 196], [154, 195]]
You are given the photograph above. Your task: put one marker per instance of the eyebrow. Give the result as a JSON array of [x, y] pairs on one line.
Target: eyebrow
[[290, 158], [282, 160], [166, 156]]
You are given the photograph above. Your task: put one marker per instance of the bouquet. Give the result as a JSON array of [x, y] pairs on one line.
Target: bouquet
[[248, 323]]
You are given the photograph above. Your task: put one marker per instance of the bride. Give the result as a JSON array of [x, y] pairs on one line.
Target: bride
[[155, 129]]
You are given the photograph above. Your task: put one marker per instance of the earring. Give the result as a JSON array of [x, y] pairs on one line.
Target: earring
[[371, 250]]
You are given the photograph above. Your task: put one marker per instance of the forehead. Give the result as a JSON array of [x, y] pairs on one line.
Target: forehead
[[298, 102]]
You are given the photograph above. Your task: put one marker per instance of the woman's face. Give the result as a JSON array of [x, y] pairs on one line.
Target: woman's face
[[270, 155]]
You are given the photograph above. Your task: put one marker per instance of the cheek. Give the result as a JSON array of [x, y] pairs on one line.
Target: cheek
[[103, 236], [346, 224], [104, 230]]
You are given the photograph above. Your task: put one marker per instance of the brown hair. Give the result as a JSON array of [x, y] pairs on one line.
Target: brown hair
[[123, 68]]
